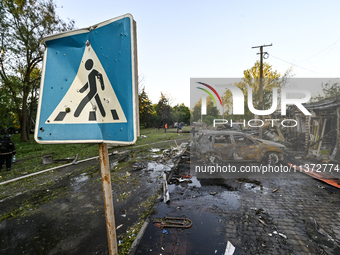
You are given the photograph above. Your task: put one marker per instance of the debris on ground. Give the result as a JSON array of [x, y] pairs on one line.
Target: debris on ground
[[322, 232], [262, 222], [230, 249], [184, 180], [187, 176], [172, 222], [317, 175], [45, 160], [280, 234], [166, 194], [260, 210], [139, 166]]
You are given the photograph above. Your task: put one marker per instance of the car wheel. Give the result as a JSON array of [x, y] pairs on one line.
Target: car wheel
[[272, 158]]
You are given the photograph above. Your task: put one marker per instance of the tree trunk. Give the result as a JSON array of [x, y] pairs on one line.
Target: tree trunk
[[23, 121]]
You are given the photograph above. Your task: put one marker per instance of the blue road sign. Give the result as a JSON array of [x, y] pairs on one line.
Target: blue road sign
[[88, 91]]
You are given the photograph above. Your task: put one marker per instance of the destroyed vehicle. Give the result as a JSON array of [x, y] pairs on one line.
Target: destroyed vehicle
[[233, 146], [227, 126]]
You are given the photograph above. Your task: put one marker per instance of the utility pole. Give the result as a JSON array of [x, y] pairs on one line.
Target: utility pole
[[261, 79]]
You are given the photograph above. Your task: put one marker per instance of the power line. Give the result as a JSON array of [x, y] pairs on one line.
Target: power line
[[332, 45], [297, 65]]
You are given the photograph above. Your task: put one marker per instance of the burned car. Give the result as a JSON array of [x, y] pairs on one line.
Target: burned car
[[233, 146]]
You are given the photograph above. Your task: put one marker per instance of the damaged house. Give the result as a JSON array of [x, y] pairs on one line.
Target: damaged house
[[318, 134]]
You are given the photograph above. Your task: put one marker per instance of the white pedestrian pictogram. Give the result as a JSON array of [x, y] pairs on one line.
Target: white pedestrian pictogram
[[90, 98]]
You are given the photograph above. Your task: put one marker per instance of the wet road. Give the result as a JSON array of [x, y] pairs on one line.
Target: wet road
[[63, 211], [301, 216]]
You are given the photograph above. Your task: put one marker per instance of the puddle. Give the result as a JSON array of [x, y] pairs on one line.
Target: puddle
[[195, 182], [155, 169], [185, 241], [231, 198], [78, 181], [158, 166], [171, 187]]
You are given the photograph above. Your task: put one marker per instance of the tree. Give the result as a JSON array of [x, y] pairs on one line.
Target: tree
[[212, 111], [7, 107], [23, 25], [331, 89], [163, 111], [271, 79], [154, 115], [180, 113], [145, 109]]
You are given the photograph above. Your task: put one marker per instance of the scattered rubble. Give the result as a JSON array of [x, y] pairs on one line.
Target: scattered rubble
[[230, 249]]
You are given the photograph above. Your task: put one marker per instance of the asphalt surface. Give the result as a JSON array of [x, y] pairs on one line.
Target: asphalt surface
[[63, 212], [288, 213]]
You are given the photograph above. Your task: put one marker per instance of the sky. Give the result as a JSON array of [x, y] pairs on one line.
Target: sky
[[179, 40]]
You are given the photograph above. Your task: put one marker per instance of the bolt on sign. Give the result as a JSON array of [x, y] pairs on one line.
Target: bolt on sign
[[89, 89]]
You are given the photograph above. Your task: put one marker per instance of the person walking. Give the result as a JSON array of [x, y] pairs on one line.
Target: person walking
[[166, 127], [7, 150], [92, 86]]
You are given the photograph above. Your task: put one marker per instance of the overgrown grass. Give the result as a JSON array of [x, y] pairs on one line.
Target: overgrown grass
[[29, 154], [156, 135], [126, 239]]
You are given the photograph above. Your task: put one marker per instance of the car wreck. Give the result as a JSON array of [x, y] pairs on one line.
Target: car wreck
[[233, 146]]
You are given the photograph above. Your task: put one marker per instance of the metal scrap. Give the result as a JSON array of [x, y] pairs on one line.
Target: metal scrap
[[230, 249], [172, 222], [280, 234], [166, 194], [262, 222], [320, 231]]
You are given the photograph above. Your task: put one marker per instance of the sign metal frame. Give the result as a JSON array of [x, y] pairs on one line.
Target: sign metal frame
[[121, 62]]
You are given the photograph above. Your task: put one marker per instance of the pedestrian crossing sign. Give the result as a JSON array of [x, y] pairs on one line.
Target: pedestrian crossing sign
[[88, 91]]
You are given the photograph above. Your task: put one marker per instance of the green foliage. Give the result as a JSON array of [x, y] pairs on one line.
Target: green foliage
[[212, 111], [163, 111], [180, 113], [146, 110], [23, 25], [154, 135], [271, 79], [8, 118], [329, 89]]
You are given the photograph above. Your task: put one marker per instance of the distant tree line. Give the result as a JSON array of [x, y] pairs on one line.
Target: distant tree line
[[157, 115]]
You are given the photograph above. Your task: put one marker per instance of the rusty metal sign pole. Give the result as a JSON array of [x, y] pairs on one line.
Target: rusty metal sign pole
[[108, 201]]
